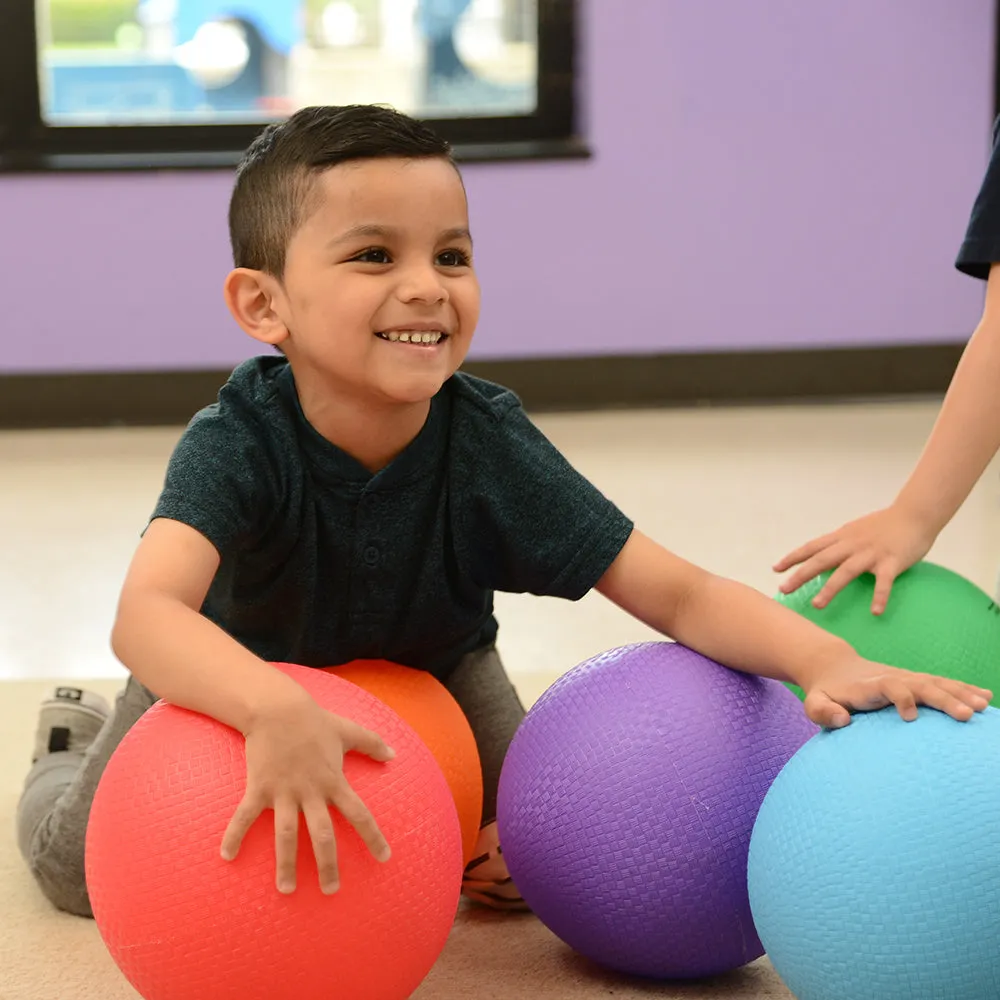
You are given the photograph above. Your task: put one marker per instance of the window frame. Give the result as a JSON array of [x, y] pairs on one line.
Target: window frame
[[29, 145]]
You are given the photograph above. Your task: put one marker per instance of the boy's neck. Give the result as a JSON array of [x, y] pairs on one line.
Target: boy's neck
[[372, 435]]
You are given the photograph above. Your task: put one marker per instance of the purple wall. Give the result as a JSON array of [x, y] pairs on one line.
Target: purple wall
[[799, 180]]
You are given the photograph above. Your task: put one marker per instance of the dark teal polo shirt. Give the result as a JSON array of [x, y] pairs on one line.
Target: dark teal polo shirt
[[323, 562]]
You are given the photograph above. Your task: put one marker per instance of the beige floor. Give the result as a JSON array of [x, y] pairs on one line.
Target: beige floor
[[732, 489]]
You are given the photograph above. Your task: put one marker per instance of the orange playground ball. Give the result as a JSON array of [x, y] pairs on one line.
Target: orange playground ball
[[426, 704]]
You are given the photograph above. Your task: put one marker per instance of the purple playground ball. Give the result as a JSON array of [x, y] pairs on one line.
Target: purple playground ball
[[627, 801]]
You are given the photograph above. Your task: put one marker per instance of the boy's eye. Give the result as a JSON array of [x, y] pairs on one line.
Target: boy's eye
[[453, 258], [373, 255]]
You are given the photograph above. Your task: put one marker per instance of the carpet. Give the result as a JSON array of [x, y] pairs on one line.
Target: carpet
[[47, 955]]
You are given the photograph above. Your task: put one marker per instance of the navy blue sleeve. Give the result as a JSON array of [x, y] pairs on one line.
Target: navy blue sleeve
[[217, 479], [981, 246], [530, 523]]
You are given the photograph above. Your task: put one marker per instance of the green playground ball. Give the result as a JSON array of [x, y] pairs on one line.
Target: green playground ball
[[936, 622]]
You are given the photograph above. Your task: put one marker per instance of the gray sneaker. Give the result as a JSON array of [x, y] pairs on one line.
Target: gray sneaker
[[69, 721]]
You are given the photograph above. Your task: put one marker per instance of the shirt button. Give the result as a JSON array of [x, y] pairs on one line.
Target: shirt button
[[370, 555]]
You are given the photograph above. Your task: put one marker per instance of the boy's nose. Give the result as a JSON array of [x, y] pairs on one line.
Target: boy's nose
[[422, 285]]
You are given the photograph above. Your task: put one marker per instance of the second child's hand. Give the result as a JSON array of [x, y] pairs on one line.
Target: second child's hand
[[884, 543], [965, 438], [295, 763]]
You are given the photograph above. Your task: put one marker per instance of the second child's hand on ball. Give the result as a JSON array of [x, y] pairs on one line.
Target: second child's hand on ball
[[883, 543]]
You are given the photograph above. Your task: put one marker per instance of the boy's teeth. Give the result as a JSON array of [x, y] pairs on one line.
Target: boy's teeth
[[413, 336]]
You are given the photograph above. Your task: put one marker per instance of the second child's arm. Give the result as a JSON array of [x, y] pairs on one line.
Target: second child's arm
[[966, 434], [295, 748], [964, 439], [742, 629]]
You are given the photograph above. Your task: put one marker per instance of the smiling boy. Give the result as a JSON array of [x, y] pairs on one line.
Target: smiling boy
[[355, 496]]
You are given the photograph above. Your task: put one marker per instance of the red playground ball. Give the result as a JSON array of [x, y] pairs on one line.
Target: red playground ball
[[182, 924]]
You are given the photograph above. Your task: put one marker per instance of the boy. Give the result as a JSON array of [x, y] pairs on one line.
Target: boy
[[356, 498], [965, 437]]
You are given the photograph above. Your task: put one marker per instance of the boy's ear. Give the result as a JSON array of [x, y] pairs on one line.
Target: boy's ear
[[251, 297]]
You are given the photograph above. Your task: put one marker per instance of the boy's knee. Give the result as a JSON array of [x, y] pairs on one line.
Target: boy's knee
[[64, 894], [61, 875]]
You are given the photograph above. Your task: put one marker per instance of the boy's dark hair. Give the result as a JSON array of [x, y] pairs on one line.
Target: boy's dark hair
[[275, 178]]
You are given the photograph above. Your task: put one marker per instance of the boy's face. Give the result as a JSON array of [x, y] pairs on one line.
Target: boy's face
[[379, 296]]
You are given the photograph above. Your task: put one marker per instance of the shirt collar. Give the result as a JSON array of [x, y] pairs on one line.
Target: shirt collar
[[336, 465]]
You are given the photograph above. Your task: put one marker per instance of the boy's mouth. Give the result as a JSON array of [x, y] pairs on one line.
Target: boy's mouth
[[429, 337]]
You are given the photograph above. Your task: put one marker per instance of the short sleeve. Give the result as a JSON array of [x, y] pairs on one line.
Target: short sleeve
[[216, 480], [981, 246], [530, 523]]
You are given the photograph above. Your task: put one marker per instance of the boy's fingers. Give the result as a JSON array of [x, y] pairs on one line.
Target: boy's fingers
[[824, 711], [969, 693], [324, 843], [246, 814], [366, 742], [900, 694], [959, 700], [357, 814], [286, 842]]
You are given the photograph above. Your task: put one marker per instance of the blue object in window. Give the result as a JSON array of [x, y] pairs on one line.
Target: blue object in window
[[278, 21], [118, 88]]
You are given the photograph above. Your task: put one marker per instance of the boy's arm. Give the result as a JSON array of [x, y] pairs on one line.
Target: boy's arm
[[965, 438], [741, 628], [294, 748], [168, 645]]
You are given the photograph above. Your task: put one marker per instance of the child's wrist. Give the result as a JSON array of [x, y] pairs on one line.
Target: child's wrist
[[926, 520], [829, 655], [271, 697]]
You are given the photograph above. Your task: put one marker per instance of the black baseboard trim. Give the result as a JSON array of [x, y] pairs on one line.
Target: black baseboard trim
[[544, 384]]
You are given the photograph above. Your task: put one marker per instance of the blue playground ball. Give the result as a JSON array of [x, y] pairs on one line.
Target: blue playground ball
[[874, 863]]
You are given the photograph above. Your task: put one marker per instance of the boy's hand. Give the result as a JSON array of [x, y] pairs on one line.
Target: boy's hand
[[295, 758], [885, 543], [864, 686]]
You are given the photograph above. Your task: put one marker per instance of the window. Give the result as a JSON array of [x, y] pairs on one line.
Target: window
[[91, 84]]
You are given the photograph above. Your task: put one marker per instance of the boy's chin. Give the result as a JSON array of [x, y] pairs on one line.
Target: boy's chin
[[417, 389]]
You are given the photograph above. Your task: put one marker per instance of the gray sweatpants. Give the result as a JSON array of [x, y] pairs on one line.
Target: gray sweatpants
[[55, 805]]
